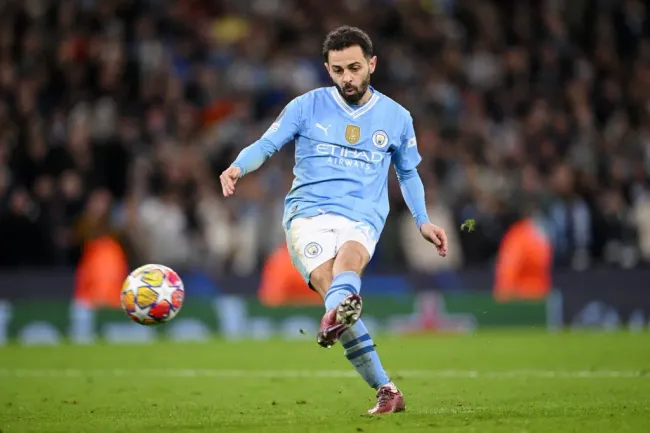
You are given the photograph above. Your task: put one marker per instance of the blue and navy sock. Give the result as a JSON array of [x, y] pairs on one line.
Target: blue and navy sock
[[344, 284], [357, 343]]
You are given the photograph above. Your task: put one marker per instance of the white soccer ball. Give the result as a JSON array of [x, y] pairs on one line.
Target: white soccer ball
[[152, 295]]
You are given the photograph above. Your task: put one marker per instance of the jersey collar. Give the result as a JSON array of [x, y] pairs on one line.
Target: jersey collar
[[352, 111]]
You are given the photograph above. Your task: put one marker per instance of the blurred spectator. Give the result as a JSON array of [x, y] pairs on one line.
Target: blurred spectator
[[420, 255], [642, 220], [103, 266], [571, 219], [149, 100], [23, 233], [525, 258]]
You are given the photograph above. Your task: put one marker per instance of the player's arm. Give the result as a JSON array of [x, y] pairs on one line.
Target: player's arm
[[406, 160], [283, 130]]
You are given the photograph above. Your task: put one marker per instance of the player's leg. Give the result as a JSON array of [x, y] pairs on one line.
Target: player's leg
[[357, 342], [343, 304], [320, 279], [355, 248], [313, 245]]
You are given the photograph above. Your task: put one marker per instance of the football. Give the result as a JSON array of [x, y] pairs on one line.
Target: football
[[152, 294]]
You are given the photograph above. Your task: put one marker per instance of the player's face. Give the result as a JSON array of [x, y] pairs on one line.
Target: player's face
[[350, 71]]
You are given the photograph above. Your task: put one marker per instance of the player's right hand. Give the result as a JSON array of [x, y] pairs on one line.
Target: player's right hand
[[228, 180]]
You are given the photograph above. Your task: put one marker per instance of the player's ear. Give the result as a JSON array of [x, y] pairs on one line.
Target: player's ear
[[372, 64]]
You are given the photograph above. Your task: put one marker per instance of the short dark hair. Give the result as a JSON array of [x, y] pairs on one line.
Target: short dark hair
[[345, 37]]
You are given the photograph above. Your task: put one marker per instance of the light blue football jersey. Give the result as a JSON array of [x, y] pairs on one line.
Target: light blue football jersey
[[342, 155]]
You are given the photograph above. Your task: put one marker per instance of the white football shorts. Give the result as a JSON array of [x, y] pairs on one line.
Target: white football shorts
[[314, 240]]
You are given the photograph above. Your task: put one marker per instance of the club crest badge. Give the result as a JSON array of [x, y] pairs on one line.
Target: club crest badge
[[380, 139], [313, 250]]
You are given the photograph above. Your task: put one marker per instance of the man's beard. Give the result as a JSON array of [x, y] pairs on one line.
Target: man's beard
[[355, 97]]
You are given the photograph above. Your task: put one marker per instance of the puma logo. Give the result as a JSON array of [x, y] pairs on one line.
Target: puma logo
[[318, 125]]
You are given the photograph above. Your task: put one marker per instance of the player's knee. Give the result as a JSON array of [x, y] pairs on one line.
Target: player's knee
[[321, 278], [352, 256]]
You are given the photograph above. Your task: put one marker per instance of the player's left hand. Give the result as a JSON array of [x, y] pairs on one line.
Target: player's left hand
[[437, 236]]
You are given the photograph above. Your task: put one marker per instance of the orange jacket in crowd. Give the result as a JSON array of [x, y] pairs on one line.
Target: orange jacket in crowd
[[282, 284], [100, 273], [524, 262]]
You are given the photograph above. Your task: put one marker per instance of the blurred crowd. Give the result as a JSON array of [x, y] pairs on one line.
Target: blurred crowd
[[116, 116]]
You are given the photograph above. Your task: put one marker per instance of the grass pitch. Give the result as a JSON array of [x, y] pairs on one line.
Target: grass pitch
[[488, 383]]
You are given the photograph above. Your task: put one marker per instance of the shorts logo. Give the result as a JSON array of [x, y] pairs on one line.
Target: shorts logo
[[380, 139], [313, 250], [352, 134]]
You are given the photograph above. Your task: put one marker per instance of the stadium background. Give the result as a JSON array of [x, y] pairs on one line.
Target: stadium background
[[117, 116]]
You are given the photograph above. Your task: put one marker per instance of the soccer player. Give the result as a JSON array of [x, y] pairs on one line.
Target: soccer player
[[346, 138]]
